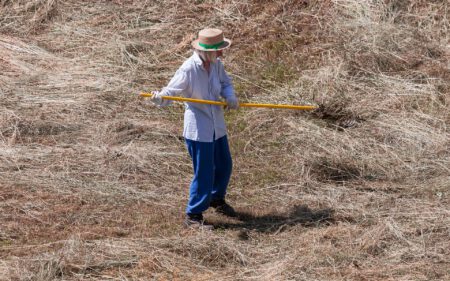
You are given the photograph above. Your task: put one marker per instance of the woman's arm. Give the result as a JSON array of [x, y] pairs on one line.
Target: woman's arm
[[227, 91], [177, 85]]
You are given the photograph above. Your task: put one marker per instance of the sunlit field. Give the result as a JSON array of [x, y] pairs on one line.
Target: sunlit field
[[94, 180]]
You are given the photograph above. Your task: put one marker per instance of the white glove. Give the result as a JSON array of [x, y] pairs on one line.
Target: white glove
[[156, 99], [232, 103]]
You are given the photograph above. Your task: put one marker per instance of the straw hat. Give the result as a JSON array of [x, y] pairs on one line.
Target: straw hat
[[211, 39]]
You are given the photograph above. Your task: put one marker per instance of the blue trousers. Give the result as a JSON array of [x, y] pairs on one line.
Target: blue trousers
[[212, 170]]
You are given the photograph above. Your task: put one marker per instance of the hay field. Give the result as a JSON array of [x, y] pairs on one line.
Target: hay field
[[94, 181]]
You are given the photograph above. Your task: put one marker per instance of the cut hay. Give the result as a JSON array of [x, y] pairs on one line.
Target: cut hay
[[94, 180]]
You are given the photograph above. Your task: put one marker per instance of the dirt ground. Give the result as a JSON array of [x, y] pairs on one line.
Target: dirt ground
[[94, 180]]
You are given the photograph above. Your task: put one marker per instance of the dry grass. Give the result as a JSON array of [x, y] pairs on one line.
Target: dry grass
[[94, 181]]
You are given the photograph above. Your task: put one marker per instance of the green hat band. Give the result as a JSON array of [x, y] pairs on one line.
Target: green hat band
[[207, 46]]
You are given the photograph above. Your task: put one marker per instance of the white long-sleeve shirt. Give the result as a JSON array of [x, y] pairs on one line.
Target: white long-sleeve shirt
[[202, 122]]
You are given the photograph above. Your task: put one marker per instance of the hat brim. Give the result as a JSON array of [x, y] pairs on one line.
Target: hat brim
[[225, 45]]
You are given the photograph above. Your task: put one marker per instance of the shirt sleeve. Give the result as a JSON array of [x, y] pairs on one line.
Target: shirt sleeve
[[227, 91], [177, 85]]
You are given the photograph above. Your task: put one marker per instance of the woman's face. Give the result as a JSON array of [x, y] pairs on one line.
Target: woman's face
[[210, 56]]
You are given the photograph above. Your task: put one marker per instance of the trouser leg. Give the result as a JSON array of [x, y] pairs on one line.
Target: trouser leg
[[202, 154], [222, 168]]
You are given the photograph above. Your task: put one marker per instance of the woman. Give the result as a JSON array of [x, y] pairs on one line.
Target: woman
[[202, 76]]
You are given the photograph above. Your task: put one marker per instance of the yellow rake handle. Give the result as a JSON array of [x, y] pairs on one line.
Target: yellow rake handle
[[284, 106]]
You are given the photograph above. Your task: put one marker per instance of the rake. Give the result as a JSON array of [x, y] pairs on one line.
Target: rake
[[265, 105]]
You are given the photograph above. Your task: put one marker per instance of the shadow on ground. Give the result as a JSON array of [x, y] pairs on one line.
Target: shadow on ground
[[275, 223]]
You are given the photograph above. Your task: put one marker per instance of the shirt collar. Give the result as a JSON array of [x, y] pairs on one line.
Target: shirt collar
[[197, 59]]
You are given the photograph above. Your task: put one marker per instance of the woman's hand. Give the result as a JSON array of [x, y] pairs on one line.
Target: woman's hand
[[232, 103], [156, 99]]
